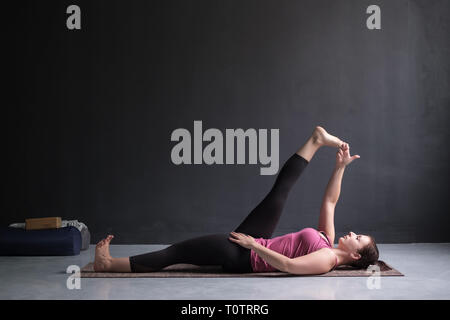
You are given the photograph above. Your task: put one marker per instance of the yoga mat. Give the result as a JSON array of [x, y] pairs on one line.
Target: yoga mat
[[193, 271]]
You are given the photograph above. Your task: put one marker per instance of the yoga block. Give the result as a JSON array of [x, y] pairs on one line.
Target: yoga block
[[43, 223]]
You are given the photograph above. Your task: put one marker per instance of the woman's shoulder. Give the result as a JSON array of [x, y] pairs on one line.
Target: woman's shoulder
[[330, 256]]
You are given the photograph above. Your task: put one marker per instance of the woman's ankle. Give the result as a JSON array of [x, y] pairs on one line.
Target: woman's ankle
[[120, 265], [316, 141], [308, 150]]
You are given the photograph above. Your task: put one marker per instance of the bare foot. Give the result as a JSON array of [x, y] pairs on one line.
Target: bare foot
[[323, 138], [103, 259]]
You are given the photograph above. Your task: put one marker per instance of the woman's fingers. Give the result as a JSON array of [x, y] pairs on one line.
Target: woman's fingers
[[236, 239], [345, 147], [235, 235]]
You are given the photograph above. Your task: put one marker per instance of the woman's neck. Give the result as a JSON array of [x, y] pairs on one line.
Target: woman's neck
[[343, 256]]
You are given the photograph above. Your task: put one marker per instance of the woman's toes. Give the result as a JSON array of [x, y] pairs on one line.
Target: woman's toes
[[101, 243]]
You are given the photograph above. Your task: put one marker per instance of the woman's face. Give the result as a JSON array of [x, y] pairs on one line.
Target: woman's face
[[352, 242]]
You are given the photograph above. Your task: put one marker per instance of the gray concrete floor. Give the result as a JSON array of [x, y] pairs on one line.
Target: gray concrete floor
[[425, 266]]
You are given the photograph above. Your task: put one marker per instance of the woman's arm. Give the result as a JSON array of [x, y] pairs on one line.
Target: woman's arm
[[275, 259], [333, 190], [330, 199], [318, 262]]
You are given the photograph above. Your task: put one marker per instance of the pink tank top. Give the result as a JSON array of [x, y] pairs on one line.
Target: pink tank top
[[291, 245]]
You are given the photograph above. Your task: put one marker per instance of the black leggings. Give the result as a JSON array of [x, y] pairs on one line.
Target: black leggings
[[217, 249]]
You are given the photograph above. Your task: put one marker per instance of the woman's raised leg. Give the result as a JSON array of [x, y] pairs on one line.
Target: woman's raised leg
[[263, 219]]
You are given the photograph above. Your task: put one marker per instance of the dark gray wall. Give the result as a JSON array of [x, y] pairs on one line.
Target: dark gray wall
[[87, 129]]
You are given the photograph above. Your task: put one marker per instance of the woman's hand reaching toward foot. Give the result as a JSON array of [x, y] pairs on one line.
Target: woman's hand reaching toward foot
[[243, 240], [343, 157]]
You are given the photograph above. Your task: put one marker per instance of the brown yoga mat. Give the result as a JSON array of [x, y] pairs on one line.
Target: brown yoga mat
[[193, 271]]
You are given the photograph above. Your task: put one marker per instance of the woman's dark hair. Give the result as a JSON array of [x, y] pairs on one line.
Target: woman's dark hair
[[369, 255]]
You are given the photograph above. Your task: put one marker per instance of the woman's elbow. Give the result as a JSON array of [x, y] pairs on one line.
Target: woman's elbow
[[286, 265], [293, 268]]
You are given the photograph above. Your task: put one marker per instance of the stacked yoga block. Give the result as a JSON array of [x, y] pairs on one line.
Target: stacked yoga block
[[50, 236]]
